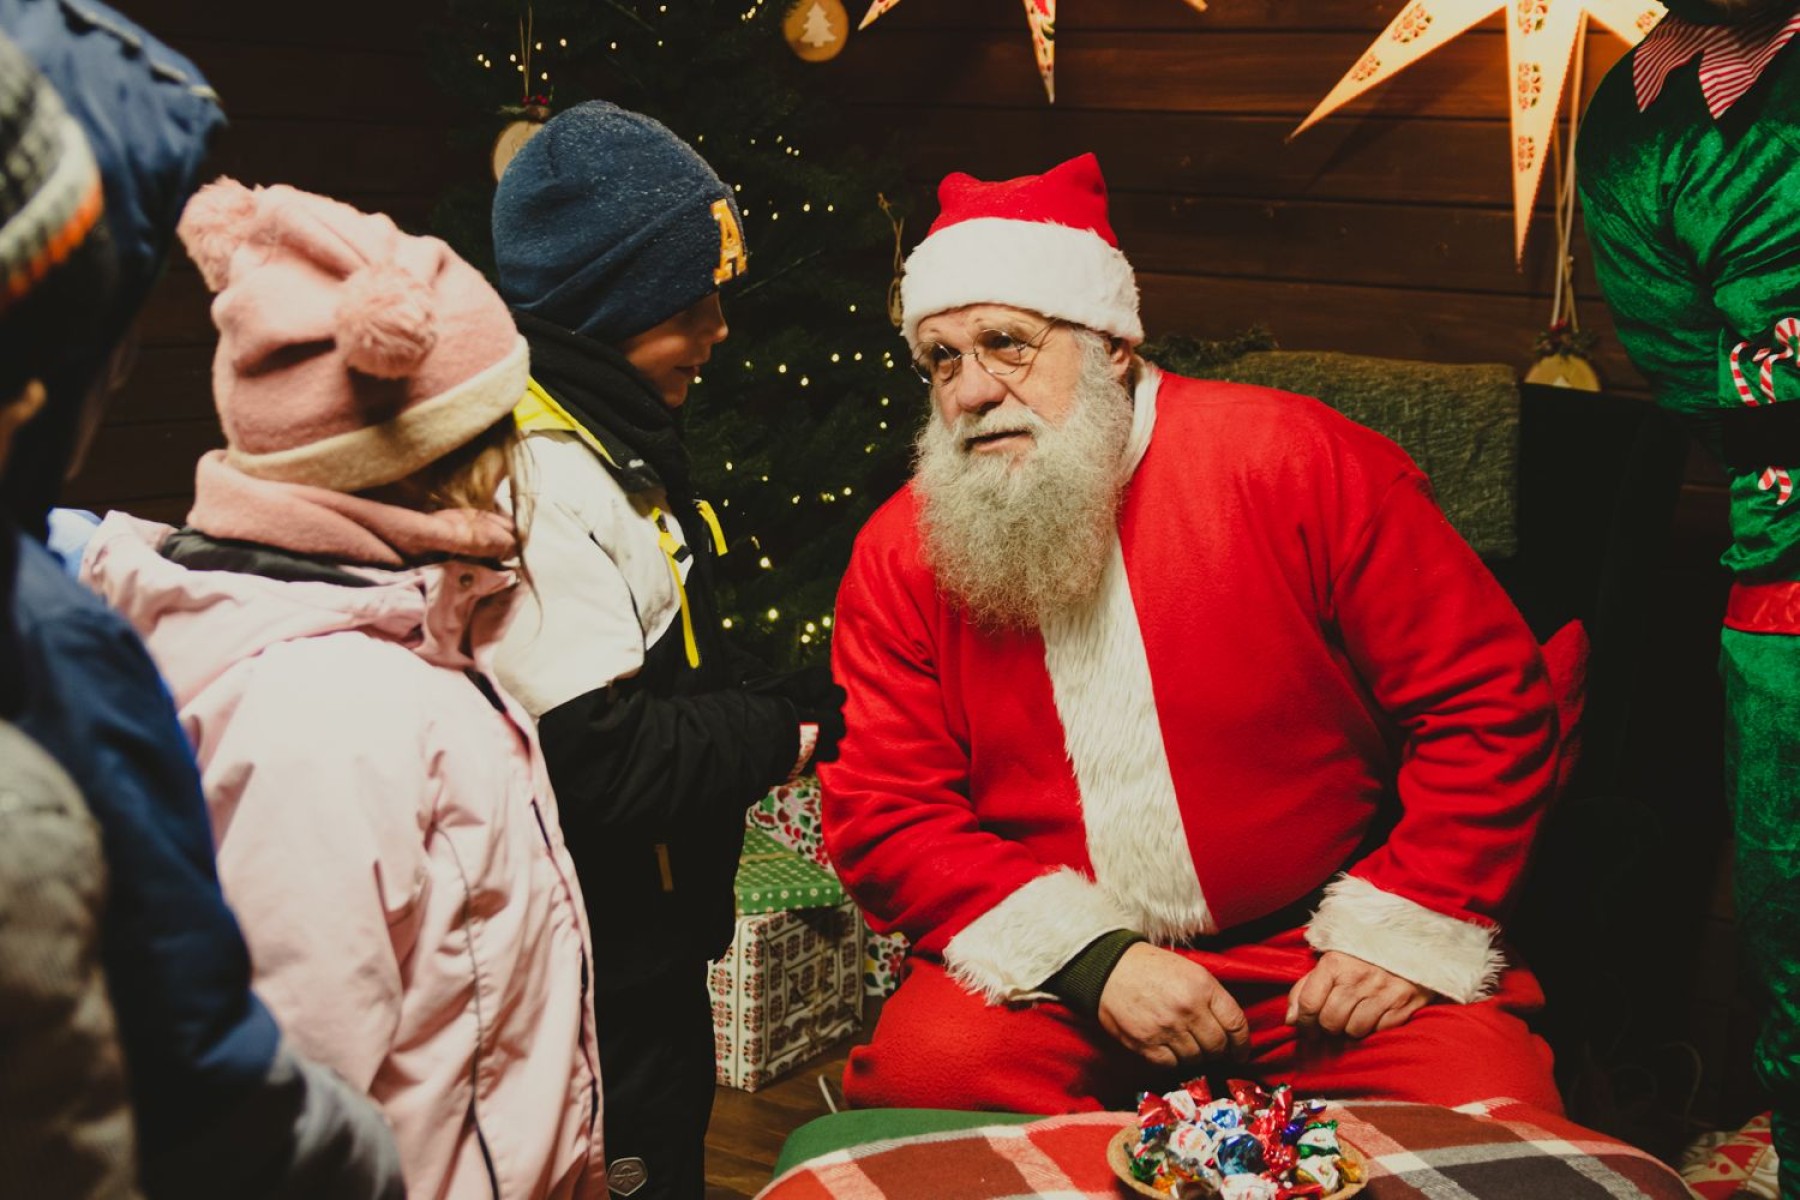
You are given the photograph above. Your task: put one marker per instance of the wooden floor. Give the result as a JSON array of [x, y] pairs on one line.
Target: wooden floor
[[748, 1128]]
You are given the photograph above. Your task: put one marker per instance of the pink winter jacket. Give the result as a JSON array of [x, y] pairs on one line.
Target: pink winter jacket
[[391, 845]]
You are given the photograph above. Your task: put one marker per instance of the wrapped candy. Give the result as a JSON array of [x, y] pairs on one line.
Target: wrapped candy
[[1249, 1095], [1221, 1114], [1193, 1147], [1301, 1191], [1322, 1171], [1279, 1158], [1240, 1154], [1154, 1112], [1319, 1138], [1182, 1104], [1255, 1144], [1249, 1187]]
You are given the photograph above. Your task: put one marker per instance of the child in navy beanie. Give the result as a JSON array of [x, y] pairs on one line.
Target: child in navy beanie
[[613, 238], [606, 223]]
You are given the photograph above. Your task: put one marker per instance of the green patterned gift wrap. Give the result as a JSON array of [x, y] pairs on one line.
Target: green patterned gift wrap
[[790, 815], [791, 986], [773, 878]]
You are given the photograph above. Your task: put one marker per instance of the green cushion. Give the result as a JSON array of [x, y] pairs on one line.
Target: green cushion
[[858, 1127], [1459, 422]]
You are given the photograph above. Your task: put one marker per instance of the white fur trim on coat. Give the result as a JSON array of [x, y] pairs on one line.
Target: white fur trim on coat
[[1459, 960], [1146, 882], [1072, 274], [1136, 839], [1011, 949]]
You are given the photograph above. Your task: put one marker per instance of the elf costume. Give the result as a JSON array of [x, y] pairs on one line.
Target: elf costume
[[1296, 688], [1688, 184]]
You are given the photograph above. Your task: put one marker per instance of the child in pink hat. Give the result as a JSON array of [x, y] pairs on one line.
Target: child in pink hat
[[385, 828]]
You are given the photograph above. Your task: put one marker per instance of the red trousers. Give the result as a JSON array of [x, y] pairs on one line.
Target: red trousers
[[938, 1046]]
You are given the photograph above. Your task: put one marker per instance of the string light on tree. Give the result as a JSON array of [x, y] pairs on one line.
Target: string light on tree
[[790, 419]]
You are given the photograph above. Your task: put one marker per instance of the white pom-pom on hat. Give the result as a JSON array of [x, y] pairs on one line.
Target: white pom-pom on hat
[[385, 322], [216, 221]]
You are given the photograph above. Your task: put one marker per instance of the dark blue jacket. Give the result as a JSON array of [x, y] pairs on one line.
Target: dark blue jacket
[[196, 1040], [149, 115]]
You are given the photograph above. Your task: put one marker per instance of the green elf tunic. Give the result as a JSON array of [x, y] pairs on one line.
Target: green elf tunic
[[1689, 166]]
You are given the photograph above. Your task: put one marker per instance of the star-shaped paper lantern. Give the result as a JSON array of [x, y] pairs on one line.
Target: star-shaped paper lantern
[[1540, 35], [1041, 16]]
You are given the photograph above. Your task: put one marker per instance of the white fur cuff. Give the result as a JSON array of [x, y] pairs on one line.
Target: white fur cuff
[[1459, 960], [1010, 950]]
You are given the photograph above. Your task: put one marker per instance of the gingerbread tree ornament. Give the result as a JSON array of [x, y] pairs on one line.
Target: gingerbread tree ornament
[[816, 30]]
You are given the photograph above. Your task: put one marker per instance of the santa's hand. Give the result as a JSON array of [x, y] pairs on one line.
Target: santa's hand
[[1170, 1009], [1345, 995]]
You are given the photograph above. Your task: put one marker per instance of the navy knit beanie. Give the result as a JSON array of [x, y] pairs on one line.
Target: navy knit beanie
[[607, 224]]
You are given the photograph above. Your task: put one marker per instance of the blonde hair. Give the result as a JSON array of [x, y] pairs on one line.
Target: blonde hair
[[470, 477]]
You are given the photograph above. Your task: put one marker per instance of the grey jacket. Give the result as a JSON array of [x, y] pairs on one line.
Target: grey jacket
[[62, 1077]]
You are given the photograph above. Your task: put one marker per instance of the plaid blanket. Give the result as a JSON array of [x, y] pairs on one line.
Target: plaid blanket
[[1496, 1150]]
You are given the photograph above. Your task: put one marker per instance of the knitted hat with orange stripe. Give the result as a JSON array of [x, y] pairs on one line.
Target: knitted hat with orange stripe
[[50, 206]]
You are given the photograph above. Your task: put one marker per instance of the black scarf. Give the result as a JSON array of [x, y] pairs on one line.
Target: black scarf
[[615, 402]]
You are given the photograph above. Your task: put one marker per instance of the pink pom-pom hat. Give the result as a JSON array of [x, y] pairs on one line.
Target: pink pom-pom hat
[[350, 354]]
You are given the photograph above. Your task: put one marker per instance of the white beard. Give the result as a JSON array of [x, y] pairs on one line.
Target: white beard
[[1013, 542]]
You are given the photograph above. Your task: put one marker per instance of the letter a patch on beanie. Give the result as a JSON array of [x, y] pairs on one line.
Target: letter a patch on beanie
[[732, 259]]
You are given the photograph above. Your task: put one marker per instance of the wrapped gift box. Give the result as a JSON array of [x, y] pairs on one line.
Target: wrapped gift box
[[883, 953], [790, 815], [791, 986]]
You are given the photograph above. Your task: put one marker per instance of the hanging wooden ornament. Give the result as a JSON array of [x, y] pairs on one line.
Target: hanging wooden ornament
[[530, 113], [1562, 359], [895, 310], [1564, 349], [512, 139], [816, 30]]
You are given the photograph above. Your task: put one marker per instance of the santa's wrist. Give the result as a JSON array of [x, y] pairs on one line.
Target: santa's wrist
[[1080, 981]]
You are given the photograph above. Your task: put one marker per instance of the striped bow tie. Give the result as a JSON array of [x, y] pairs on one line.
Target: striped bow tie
[[1732, 57]]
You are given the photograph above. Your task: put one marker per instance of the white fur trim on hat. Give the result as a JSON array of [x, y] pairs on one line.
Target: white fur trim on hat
[[1458, 960], [420, 435], [1072, 274]]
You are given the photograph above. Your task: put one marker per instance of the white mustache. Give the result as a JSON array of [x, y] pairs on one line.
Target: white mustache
[[970, 428]]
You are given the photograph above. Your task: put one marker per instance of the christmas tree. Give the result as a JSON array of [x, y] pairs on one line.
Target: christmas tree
[[802, 422], [818, 26]]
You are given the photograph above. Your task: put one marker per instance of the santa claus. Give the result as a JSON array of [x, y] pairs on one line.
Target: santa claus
[[1182, 726]]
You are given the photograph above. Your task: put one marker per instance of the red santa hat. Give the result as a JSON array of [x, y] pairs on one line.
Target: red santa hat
[[1041, 242]]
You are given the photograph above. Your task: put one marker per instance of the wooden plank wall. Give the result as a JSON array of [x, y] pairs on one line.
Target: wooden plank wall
[[1385, 230], [333, 98]]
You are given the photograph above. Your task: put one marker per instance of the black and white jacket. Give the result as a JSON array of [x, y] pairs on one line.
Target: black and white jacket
[[654, 748]]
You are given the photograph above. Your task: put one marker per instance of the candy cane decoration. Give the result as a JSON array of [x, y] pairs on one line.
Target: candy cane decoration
[[1787, 336]]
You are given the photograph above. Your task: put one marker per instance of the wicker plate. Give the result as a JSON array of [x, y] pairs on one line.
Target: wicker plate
[[1118, 1157]]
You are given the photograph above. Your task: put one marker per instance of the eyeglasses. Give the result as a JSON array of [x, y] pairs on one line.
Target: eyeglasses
[[1000, 354]]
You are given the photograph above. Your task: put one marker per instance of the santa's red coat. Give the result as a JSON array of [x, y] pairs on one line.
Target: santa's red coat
[[1291, 642]]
